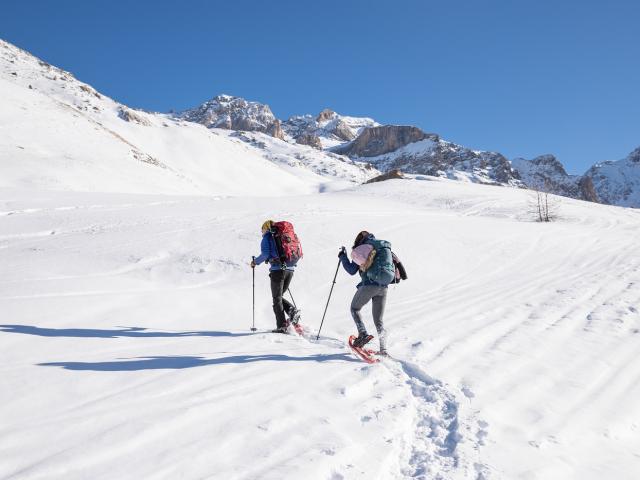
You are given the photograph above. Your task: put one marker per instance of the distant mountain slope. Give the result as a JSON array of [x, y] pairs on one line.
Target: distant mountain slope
[[408, 148], [414, 151], [60, 133], [234, 113], [328, 129], [547, 173], [618, 183]]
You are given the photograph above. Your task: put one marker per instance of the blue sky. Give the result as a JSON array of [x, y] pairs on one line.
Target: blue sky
[[519, 77]]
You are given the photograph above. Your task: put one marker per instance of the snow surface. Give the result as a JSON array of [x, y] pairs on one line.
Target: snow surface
[[126, 350]]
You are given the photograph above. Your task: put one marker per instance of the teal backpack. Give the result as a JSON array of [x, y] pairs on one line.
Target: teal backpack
[[383, 270]]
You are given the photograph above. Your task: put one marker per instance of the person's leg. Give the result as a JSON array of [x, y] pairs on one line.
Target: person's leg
[[360, 299], [277, 281], [377, 304], [287, 277]]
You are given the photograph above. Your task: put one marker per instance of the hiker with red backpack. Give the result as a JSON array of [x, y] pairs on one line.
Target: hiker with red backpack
[[280, 248], [378, 267]]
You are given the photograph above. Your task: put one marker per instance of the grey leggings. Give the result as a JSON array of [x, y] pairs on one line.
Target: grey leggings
[[378, 297]]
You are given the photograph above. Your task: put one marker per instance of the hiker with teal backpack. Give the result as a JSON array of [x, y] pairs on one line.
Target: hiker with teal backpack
[[378, 267]]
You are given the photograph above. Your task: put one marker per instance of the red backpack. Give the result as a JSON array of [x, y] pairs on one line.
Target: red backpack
[[287, 242]]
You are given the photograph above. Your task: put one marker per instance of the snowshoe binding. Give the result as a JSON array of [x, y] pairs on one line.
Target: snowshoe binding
[[363, 353]]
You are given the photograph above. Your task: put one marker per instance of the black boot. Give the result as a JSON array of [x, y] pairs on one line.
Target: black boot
[[362, 340], [294, 316]]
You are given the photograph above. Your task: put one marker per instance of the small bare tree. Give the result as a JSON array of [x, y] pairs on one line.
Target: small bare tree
[[543, 207]]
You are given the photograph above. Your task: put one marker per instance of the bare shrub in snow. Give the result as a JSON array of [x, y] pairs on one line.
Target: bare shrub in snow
[[542, 205]]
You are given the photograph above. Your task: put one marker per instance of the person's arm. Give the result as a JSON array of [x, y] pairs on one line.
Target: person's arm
[[265, 248], [349, 266]]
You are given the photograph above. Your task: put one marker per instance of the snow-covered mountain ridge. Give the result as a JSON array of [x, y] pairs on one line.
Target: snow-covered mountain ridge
[[82, 132], [411, 150], [59, 133], [547, 174], [618, 183]]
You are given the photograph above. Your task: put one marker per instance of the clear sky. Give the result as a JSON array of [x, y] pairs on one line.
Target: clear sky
[[519, 77]]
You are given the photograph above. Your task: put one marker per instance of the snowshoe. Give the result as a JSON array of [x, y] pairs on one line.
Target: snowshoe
[[362, 353]]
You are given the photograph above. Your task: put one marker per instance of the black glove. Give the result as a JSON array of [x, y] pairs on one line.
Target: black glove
[[343, 251]]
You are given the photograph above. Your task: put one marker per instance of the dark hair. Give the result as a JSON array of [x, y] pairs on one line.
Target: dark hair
[[361, 237]]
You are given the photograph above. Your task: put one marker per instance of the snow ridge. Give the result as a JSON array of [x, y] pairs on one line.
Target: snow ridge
[[88, 142]]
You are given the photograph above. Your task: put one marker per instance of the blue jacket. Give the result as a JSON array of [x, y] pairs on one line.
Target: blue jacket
[[352, 268], [269, 253]]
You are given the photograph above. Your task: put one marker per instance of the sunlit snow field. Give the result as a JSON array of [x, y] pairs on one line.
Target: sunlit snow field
[[126, 350]]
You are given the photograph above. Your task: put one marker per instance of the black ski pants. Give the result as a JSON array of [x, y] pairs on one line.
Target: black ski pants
[[280, 280]]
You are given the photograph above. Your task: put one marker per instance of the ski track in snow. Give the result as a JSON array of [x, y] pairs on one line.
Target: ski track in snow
[[133, 317]]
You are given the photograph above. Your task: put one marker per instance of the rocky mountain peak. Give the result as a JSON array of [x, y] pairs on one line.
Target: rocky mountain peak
[[618, 183], [331, 128], [634, 156], [550, 163], [326, 115], [375, 141], [235, 113]]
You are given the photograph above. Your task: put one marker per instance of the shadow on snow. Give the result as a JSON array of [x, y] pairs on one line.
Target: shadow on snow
[[117, 333], [179, 362]]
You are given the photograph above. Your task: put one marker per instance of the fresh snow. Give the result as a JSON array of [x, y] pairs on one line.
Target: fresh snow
[[127, 353]]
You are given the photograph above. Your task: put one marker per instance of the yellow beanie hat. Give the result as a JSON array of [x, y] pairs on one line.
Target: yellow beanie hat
[[267, 225]]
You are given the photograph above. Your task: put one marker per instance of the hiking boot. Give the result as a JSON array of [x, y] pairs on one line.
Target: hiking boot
[[362, 340], [294, 316]]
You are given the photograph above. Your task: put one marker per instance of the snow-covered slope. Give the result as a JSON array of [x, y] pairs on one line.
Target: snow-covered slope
[[618, 183], [126, 350], [338, 170], [59, 133]]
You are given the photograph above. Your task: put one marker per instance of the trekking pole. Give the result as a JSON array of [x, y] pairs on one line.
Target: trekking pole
[[291, 295], [253, 289], [330, 292]]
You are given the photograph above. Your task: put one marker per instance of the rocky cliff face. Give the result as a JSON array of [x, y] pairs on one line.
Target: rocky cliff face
[[613, 183], [411, 150], [588, 189], [375, 141], [547, 174], [329, 127], [235, 113], [618, 183], [310, 140]]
